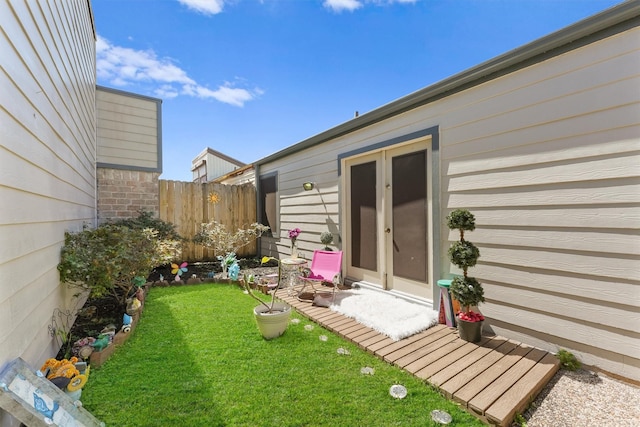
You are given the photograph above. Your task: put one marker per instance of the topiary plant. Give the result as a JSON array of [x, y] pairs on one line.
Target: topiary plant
[[326, 238], [464, 254]]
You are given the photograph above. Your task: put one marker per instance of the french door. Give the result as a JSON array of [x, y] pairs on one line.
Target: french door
[[388, 201]]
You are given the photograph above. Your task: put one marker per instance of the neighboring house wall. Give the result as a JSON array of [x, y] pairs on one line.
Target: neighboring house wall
[[211, 164], [47, 158], [243, 175], [129, 153], [546, 154]]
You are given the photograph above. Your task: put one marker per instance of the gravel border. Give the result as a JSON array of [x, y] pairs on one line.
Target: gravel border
[[584, 398]]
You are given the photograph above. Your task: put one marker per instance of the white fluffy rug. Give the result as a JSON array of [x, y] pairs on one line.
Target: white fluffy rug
[[389, 315]]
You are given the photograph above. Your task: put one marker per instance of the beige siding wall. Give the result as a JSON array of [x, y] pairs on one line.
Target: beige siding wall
[[47, 158], [128, 130], [312, 211], [548, 159]]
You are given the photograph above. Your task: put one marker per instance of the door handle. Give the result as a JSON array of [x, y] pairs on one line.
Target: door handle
[[387, 230]]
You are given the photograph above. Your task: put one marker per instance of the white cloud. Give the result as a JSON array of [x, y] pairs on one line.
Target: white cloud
[[351, 5], [206, 7], [122, 66], [340, 5]]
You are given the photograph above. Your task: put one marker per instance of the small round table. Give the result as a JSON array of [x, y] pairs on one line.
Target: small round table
[[292, 267]]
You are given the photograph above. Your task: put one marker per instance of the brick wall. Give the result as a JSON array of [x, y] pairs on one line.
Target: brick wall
[[122, 193]]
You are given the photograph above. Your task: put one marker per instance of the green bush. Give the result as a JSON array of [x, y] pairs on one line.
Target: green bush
[[568, 361], [461, 219], [146, 219], [111, 259], [464, 254], [467, 290]]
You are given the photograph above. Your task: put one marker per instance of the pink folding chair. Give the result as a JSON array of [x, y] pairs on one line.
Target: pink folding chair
[[326, 266]]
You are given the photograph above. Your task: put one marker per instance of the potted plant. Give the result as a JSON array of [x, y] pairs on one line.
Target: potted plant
[[293, 236], [326, 238], [466, 290], [272, 317]]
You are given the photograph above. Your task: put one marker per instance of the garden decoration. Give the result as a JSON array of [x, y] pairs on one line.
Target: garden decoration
[[214, 197], [326, 238], [227, 263], [293, 236], [66, 374], [398, 391], [178, 270], [126, 323], [272, 317], [466, 290], [441, 417]]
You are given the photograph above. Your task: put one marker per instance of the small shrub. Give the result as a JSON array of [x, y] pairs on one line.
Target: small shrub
[[146, 219], [520, 420], [214, 235], [107, 260], [326, 238], [568, 361], [464, 254]]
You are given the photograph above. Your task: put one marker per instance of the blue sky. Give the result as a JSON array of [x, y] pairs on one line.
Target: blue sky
[[251, 77]]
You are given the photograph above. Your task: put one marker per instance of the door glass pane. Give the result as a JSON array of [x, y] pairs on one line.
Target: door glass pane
[[268, 193], [409, 194], [364, 239]]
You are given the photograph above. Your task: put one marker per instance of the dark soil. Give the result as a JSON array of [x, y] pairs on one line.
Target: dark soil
[[98, 313]]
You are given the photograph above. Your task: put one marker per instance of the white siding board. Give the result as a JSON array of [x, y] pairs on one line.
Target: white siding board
[[115, 120], [577, 262], [591, 169], [126, 105], [588, 102], [67, 165], [565, 306], [596, 240], [609, 291], [553, 76], [127, 130], [573, 330], [57, 67], [140, 158], [566, 87], [47, 183], [490, 145], [24, 237], [605, 142], [618, 191], [588, 217]]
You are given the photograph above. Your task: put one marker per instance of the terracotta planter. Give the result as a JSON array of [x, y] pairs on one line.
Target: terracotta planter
[[272, 325], [469, 331]]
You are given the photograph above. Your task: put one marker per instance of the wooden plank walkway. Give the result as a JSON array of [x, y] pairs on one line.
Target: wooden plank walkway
[[493, 379]]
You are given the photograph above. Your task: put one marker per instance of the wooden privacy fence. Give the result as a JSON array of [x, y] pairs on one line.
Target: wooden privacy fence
[[189, 204]]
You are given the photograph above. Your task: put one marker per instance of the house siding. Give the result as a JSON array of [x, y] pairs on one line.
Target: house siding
[[48, 154], [129, 131], [211, 165], [547, 157]]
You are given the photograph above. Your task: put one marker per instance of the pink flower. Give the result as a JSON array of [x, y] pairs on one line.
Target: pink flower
[[294, 233]]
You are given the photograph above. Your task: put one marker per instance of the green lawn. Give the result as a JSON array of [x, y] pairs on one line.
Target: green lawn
[[197, 359]]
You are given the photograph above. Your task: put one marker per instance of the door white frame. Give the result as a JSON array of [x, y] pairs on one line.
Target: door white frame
[[431, 136]]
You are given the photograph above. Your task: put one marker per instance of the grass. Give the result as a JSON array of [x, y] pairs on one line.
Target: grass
[[197, 359]]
